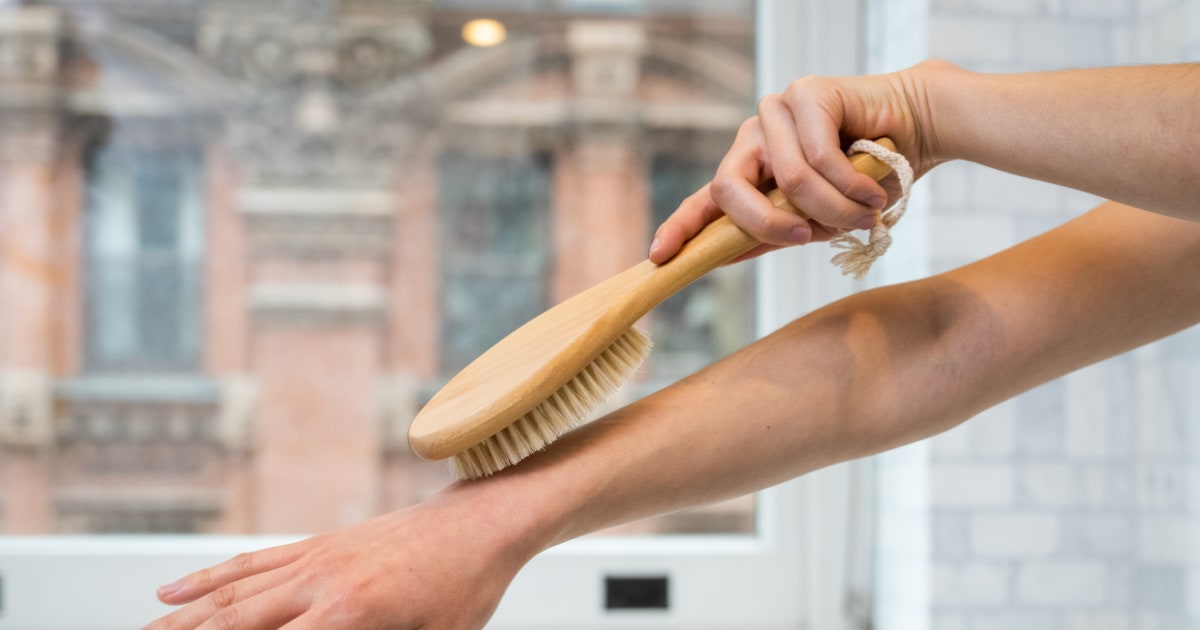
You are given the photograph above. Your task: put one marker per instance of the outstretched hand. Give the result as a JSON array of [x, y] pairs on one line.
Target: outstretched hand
[[442, 564]]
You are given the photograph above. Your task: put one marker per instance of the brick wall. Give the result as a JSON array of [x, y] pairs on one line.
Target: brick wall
[[1076, 505]]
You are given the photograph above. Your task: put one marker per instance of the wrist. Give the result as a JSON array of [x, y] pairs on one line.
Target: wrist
[[931, 88], [518, 514]]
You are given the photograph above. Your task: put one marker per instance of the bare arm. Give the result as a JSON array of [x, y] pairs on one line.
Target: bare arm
[[1125, 134], [867, 373], [1128, 133], [887, 367]]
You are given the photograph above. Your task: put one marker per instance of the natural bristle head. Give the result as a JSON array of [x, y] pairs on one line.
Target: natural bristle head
[[564, 410]]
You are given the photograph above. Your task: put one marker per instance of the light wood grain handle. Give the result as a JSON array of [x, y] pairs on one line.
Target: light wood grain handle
[[722, 240]]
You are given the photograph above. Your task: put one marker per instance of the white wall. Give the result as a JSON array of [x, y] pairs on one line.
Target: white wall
[[1076, 505]]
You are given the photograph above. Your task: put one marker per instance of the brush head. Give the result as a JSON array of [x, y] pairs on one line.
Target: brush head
[[546, 377], [564, 410]]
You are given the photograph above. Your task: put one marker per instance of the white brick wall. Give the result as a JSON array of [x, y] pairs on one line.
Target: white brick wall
[[1015, 534], [1063, 582], [1109, 620], [1055, 485], [974, 485], [1077, 505], [973, 584]]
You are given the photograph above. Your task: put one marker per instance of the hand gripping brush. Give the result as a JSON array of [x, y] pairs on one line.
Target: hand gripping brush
[[546, 377]]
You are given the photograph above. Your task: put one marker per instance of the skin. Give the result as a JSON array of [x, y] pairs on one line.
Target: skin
[[1053, 126], [864, 374]]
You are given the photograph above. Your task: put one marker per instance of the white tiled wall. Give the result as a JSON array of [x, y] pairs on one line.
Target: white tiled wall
[[1076, 505]]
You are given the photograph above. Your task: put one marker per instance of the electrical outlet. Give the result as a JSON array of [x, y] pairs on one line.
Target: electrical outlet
[[636, 593]]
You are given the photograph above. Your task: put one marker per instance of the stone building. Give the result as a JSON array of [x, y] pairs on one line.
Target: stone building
[[241, 241]]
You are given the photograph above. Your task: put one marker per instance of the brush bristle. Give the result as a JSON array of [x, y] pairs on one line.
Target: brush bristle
[[564, 410]]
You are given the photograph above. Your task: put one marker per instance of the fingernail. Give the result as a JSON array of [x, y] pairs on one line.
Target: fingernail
[[877, 201], [654, 245], [168, 590], [866, 223], [799, 235]]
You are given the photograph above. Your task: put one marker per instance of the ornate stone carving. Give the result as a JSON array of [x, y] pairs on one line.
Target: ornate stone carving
[[319, 303], [26, 408], [318, 222], [317, 136], [29, 46], [312, 71], [235, 419], [608, 57], [29, 65]]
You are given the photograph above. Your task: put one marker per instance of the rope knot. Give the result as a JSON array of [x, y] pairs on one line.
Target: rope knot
[[857, 257]]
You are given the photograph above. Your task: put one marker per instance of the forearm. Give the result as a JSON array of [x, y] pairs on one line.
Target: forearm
[[1124, 133], [869, 373]]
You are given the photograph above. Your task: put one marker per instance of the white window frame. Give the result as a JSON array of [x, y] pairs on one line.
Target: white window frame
[[797, 572]]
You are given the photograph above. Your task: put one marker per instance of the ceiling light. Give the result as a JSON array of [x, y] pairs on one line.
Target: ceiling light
[[484, 32]]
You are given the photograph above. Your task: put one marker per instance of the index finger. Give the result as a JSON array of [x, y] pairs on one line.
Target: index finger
[[695, 212], [204, 581]]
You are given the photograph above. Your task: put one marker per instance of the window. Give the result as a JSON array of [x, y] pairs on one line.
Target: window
[[352, 223], [143, 238], [705, 320], [494, 219]]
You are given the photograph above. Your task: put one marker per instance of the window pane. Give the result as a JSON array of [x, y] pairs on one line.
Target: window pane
[[494, 218], [142, 286], [254, 237]]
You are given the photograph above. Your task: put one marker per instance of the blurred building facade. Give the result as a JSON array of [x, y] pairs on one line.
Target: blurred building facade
[[242, 241]]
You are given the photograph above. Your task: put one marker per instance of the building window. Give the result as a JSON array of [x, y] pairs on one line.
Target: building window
[[711, 317], [494, 222], [142, 270]]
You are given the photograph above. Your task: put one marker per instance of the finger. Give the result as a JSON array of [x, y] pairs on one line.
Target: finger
[[307, 621], [696, 211], [735, 189], [824, 183], [204, 581], [795, 165], [266, 611], [227, 596]]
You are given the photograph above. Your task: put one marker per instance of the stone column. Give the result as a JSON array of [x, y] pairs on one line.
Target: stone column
[[318, 310], [31, 279], [601, 204], [316, 142]]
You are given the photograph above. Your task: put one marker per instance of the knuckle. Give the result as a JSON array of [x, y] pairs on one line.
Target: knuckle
[[804, 86], [761, 227], [823, 157], [224, 597], [749, 127], [721, 188], [227, 619], [794, 179], [203, 579], [768, 102], [243, 561]]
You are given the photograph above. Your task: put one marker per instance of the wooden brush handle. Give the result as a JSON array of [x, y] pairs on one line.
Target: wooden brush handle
[[722, 240]]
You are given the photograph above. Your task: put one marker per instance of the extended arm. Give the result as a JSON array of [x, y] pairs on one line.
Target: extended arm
[[1127, 133], [867, 373], [884, 368]]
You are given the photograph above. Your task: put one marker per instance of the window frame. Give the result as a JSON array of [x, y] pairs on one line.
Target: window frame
[[182, 263], [795, 572]]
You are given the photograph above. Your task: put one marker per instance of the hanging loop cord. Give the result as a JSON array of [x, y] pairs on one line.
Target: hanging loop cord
[[857, 257]]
